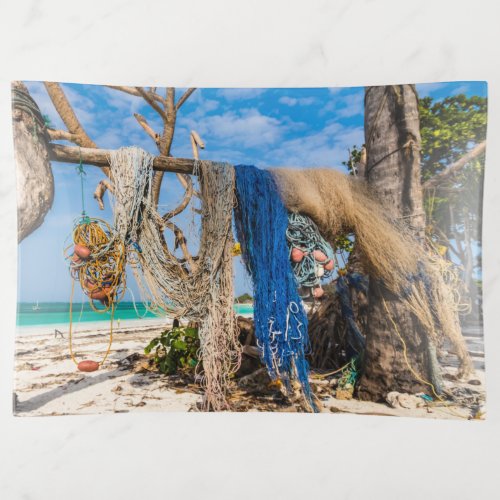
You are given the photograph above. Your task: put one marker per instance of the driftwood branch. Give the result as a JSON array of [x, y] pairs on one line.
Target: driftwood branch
[[184, 98], [101, 188], [65, 110], [145, 125], [186, 199], [100, 158], [58, 135], [150, 99], [135, 92], [196, 143], [455, 168], [180, 241], [68, 116]]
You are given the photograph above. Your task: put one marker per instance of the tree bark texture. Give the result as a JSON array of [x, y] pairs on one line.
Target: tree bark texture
[[35, 182], [392, 134]]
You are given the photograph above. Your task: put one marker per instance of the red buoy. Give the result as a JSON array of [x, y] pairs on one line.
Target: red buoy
[[101, 294], [329, 265], [297, 255], [82, 251], [318, 292], [88, 366], [319, 256]]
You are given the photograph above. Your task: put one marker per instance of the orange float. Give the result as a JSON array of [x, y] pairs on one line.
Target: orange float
[[88, 365], [82, 251], [297, 255]]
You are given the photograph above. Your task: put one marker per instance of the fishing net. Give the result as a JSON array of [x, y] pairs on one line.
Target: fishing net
[[202, 293], [340, 204]]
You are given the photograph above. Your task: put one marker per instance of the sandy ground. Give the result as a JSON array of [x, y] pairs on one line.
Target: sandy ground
[[47, 381]]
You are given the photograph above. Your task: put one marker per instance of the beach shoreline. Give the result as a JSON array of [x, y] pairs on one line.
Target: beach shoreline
[[47, 382]]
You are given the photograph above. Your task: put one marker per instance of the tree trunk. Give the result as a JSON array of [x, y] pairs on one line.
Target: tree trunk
[[35, 183], [392, 133]]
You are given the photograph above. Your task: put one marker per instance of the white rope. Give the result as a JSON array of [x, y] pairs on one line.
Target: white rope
[[203, 294]]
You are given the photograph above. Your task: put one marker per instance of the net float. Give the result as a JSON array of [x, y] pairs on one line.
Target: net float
[[320, 271], [319, 256], [88, 365], [101, 293], [90, 285], [82, 251], [105, 301], [329, 265], [318, 292], [297, 255]]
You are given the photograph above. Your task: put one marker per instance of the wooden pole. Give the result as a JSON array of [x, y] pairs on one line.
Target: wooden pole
[[100, 158]]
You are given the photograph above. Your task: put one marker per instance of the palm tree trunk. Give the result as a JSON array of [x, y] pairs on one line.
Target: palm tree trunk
[[392, 134]]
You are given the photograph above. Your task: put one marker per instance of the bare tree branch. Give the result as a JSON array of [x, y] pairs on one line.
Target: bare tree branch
[[100, 158], [185, 201], [135, 92], [195, 143], [455, 168], [145, 125], [149, 98], [184, 98], [58, 135], [68, 116], [166, 139], [100, 190], [65, 110], [180, 241]]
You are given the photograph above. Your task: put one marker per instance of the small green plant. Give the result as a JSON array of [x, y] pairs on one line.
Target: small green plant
[[175, 349]]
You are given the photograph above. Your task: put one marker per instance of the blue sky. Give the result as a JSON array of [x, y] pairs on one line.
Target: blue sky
[[304, 127]]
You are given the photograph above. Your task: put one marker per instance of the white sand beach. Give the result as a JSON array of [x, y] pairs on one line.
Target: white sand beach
[[47, 382]]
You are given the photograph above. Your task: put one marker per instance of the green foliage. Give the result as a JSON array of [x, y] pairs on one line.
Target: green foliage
[[344, 243], [244, 298], [175, 349], [354, 158], [449, 128]]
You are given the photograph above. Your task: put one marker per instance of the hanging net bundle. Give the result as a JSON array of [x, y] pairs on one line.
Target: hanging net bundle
[[203, 293], [313, 258], [279, 316], [340, 204]]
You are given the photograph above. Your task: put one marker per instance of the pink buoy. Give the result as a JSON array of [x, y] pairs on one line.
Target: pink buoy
[[101, 293], [329, 265], [297, 255], [88, 366], [319, 256], [318, 292], [82, 251]]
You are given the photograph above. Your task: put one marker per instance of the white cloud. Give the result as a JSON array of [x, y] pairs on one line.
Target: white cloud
[[246, 128], [242, 94], [293, 101], [122, 101], [345, 106], [427, 89], [329, 147]]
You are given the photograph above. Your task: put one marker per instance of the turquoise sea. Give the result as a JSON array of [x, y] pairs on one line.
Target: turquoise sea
[[57, 313]]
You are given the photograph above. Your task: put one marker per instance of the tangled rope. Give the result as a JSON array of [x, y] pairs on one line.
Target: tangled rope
[[313, 258], [279, 315], [97, 261], [204, 293]]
